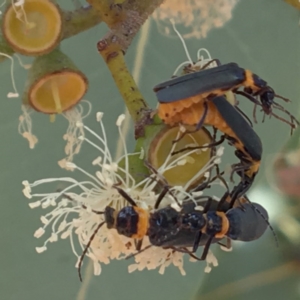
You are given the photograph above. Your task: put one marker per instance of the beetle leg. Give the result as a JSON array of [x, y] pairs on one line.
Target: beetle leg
[[206, 248], [211, 145], [251, 98]]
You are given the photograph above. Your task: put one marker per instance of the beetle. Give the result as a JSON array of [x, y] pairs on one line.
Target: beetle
[[169, 228], [183, 92]]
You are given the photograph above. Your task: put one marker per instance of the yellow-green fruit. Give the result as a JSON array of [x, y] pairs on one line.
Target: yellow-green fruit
[[188, 166], [34, 28], [54, 84]]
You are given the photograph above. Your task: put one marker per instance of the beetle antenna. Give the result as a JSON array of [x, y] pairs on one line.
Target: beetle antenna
[[82, 205], [163, 182], [125, 195], [280, 97], [86, 249]]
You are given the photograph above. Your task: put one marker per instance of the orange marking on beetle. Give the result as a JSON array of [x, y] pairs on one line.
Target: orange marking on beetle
[[193, 114], [115, 216], [225, 225], [143, 223], [169, 110], [173, 108], [249, 82], [254, 168]]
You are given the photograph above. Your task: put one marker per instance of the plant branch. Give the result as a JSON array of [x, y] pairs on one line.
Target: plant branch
[[79, 20], [124, 21], [114, 58]]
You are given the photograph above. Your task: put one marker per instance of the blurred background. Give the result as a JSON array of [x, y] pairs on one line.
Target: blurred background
[[260, 35]]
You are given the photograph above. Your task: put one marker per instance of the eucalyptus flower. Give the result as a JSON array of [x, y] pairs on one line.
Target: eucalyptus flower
[[198, 17], [71, 211]]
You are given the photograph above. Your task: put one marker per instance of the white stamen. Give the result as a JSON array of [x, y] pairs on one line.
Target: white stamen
[[74, 116], [107, 167], [207, 269], [25, 66], [182, 41], [26, 183], [97, 268], [197, 193], [14, 94], [211, 259], [44, 220], [226, 249], [53, 238], [99, 116], [114, 167], [220, 151], [27, 192], [34, 204], [40, 249], [217, 161], [71, 165], [120, 120], [25, 126], [176, 206], [65, 234], [97, 161], [46, 203], [100, 176], [39, 232], [199, 208], [62, 225], [201, 58], [142, 154]]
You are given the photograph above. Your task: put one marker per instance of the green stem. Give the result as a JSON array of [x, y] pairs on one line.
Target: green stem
[[124, 20], [134, 101], [109, 13], [79, 20]]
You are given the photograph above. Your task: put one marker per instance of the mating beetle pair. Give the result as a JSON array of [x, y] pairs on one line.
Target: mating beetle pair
[[199, 99]]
